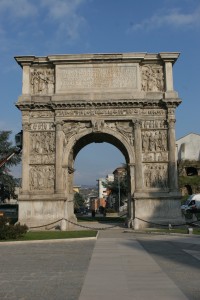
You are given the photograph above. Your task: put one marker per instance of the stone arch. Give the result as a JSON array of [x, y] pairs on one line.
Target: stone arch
[[127, 99], [79, 141]]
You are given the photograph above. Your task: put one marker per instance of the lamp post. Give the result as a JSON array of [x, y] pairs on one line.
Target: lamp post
[[119, 196]]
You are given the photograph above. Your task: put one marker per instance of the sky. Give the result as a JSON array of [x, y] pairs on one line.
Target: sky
[[44, 27]]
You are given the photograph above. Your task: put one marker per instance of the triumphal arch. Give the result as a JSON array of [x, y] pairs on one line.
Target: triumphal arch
[[70, 101]]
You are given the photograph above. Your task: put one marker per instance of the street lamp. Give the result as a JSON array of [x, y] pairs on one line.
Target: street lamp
[[119, 191]]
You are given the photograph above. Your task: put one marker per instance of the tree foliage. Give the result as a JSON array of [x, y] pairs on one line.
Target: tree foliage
[[7, 182], [116, 188], [115, 185], [78, 200]]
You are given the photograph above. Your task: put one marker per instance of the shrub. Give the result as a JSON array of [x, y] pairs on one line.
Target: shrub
[[9, 231]]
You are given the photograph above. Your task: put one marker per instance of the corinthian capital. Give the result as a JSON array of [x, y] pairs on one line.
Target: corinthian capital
[[137, 124], [59, 125], [171, 123], [26, 126]]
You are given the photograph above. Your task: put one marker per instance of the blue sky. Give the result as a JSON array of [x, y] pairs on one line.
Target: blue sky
[[43, 27]]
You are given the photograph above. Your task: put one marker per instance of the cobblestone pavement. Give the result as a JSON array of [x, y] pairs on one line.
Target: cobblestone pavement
[[44, 271]]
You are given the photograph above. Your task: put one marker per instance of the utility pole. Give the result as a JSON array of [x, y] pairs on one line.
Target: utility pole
[[119, 196]]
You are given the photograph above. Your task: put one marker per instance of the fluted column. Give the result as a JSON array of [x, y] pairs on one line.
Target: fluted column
[[59, 154], [25, 158], [131, 211], [172, 171], [138, 156]]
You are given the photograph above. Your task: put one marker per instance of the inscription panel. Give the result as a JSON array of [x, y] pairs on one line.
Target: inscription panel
[[98, 76]]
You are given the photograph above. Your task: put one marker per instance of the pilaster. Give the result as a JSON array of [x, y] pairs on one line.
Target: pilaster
[[172, 170], [26, 80], [138, 156], [25, 158], [59, 153]]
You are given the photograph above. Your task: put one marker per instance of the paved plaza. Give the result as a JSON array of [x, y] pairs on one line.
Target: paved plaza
[[118, 265]]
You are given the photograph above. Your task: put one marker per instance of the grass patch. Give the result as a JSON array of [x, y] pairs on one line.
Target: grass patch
[[50, 235]]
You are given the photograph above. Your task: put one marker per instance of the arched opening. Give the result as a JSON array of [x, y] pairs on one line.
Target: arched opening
[[107, 153], [191, 171]]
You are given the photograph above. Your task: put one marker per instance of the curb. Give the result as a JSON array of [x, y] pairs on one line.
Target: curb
[[49, 241], [162, 233]]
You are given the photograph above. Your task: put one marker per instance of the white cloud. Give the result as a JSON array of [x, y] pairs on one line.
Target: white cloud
[[65, 14], [18, 8], [174, 18]]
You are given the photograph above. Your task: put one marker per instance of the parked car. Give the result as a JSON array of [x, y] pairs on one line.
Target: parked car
[[192, 204]]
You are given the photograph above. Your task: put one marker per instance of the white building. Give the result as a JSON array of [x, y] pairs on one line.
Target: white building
[[102, 190], [110, 177], [188, 147]]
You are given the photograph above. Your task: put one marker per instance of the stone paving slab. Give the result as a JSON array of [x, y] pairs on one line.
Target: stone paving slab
[[44, 271], [120, 268]]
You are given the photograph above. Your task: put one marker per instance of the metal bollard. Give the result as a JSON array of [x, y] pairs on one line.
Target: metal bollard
[[190, 230]]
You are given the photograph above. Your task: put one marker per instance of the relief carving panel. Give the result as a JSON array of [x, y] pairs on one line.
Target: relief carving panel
[[42, 178], [72, 128], [42, 147], [125, 128], [156, 175], [153, 141], [42, 81], [152, 78]]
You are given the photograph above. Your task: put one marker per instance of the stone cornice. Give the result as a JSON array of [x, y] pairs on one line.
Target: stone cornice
[[170, 102], [136, 103], [96, 58]]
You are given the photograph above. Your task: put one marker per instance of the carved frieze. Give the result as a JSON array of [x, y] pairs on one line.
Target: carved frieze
[[152, 78], [72, 128], [97, 112], [153, 112], [42, 81], [124, 127], [41, 114], [42, 126], [42, 143], [156, 175], [42, 159], [154, 156], [42, 178], [154, 124], [154, 141]]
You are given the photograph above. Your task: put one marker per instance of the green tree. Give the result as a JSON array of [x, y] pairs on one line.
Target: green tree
[[118, 189], [7, 181], [78, 200]]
